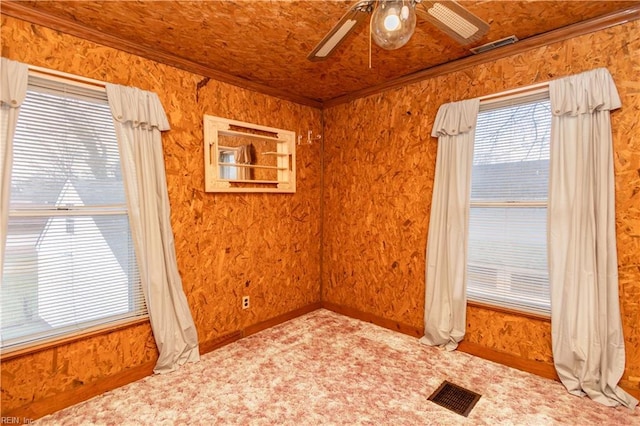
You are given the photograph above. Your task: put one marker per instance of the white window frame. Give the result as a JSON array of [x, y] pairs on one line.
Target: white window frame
[[65, 334], [504, 301]]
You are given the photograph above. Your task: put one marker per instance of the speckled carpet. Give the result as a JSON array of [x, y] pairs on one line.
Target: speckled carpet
[[327, 369]]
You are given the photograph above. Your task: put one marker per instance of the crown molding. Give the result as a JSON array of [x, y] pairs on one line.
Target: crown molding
[[571, 31], [17, 10]]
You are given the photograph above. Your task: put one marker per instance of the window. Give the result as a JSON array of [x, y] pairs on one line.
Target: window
[[227, 156], [507, 252], [69, 261]]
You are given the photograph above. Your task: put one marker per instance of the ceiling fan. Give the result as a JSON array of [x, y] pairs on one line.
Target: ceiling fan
[[393, 22]]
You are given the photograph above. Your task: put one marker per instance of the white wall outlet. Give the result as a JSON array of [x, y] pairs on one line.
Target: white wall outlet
[[245, 302]]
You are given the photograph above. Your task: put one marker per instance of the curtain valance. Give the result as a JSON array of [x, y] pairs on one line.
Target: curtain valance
[[456, 117], [138, 107], [584, 93], [13, 82]]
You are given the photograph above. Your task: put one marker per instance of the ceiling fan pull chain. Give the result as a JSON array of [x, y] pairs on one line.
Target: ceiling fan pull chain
[[370, 38]]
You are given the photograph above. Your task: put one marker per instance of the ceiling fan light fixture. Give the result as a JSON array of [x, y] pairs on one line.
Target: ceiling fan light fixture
[[393, 23]]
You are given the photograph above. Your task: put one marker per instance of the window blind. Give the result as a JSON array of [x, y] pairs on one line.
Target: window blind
[[507, 251], [69, 260]]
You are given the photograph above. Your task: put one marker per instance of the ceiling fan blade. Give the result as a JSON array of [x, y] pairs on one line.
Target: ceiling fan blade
[[356, 14], [456, 21]]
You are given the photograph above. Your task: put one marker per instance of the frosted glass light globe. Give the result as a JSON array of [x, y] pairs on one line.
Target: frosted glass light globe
[[393, 23]]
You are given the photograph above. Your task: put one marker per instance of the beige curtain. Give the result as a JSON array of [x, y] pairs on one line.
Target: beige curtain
[[445, 296], [139, 118], [14, 77], [243, 156], [588, 345]]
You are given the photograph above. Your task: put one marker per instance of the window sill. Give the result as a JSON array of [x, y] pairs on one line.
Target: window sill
[[33, 347], [509, 311]]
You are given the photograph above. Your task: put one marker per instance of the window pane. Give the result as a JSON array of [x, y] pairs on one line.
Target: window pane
[[64, 270], [227, 172], [511, 153], [65, 154], [507, 257]]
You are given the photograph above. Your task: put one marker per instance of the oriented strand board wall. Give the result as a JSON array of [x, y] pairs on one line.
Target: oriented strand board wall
[[228, 245], [380, 163]]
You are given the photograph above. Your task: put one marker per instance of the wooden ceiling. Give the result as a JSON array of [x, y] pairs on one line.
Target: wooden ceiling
[[263, 44]]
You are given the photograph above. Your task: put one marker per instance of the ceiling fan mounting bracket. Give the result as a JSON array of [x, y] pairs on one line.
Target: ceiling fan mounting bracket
[[365, 6]]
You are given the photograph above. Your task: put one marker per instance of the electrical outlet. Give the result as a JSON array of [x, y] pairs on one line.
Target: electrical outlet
[[245, 302]]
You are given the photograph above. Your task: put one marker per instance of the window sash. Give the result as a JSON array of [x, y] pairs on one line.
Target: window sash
[[501, 271], [70, 265], [507, 252]]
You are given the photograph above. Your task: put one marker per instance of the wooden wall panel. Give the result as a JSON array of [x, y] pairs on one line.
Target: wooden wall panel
[[375, 217], [513, 334], [266, 43], [43, 374], [228, 245], [380, 163]]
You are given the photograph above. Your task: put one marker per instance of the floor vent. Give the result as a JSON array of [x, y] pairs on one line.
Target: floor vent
[[455, 398]]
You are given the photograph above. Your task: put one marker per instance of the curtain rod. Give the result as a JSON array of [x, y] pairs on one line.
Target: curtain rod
[[533, 88], [66, 76]]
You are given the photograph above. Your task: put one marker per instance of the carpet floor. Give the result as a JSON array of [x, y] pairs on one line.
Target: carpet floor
[[327, 369]]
